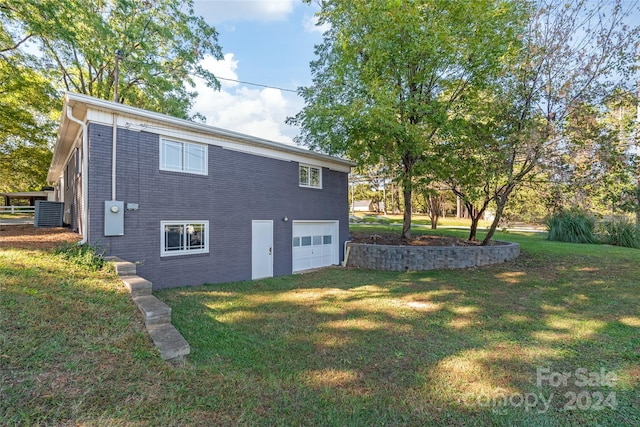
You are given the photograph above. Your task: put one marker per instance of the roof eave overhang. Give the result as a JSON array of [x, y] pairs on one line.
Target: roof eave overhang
[[67, 133], [80, 103]]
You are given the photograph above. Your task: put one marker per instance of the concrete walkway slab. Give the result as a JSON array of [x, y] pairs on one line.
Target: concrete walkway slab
[[154, 311], [169, 341], [137, 286]]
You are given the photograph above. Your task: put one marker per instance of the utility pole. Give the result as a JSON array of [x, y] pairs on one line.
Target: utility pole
[[353, 200], [116, 75]]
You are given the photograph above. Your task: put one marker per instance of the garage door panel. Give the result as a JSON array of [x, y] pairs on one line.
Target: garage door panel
[[315, 244]]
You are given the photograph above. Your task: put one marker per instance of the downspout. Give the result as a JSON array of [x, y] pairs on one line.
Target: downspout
[[113, 156], [85, 178], [347, 249]]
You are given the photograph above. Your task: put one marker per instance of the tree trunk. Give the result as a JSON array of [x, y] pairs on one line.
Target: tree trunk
[[501, 202], [408, 162], [475, 215], [384, 197], [406, 223], [393, 205], [397, 207], [494, 224], [474, 228], [435, 206]]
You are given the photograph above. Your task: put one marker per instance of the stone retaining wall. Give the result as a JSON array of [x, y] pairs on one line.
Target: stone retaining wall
[[416, 258]]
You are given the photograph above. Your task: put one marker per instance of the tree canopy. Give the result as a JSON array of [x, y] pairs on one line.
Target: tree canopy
[[391, 74], [50, 46], [477, 94], [27, 123]]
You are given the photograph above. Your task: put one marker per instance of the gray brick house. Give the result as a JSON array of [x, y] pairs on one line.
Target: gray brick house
[[193, 204]]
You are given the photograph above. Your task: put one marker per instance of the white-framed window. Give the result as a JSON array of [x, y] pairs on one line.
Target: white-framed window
[[184, 237], [177, 156], [310, 176]]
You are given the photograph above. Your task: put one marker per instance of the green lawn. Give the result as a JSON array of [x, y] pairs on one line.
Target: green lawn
[[333, 347], [420, 219]]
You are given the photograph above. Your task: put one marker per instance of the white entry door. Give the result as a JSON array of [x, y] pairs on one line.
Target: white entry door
[[261, 249], [315, 244]]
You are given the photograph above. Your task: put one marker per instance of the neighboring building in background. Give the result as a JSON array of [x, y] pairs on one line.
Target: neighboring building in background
[[362, 206], [27, 198], [193, 204]]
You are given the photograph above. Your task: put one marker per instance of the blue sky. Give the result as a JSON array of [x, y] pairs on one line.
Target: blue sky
[[269, 42]]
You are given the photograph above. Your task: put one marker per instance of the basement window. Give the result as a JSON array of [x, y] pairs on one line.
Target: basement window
[[184, 238]]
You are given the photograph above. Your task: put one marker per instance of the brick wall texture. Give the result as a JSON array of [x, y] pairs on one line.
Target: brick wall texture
[[239, 188]]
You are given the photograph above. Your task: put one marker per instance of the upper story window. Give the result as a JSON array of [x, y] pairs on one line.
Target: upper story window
[[310, 176], [179, 156]]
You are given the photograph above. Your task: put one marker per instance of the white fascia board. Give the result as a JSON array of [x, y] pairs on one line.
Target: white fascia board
[[68, 134], [139, 119]]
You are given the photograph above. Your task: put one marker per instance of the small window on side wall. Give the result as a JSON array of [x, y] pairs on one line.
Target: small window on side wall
[[310, 176], [184, 238]]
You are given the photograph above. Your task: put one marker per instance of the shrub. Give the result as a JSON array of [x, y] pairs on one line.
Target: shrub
[[621, 232], [83, 255], [574, 226]]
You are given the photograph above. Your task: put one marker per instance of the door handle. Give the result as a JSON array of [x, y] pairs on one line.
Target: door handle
[[270, 250]]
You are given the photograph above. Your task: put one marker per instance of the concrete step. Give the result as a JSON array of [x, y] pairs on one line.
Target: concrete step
[[169, 341], [156, 314], [136, 285], [154, 311], [123, 268]]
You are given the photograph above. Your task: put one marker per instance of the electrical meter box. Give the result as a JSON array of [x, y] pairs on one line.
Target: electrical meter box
[[113, 218]]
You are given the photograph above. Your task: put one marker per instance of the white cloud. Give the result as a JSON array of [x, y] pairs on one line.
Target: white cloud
[[225, 69], [217, 11], [310, 24], [258, 112]]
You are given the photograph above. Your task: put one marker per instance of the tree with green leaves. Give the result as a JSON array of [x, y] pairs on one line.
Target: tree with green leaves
[[28, 114], [597, 168], [474, 155], [431, 200], [390, 75], [161, 45], [532, 201], [71, 45], [569, 54]]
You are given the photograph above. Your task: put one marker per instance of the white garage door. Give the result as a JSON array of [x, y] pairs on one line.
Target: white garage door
[[315, 244]]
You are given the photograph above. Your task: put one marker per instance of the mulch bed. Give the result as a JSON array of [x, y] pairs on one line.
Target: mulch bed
[[30, 237], [395, 240]]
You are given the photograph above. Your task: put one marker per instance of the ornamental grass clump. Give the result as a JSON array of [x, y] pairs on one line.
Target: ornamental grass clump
[[573, 226], [621, 232]]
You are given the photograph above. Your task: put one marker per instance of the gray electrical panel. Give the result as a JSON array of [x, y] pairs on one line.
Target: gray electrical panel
[[113, 218]]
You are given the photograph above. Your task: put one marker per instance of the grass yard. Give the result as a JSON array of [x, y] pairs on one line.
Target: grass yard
[[421, 219], [551, 339]]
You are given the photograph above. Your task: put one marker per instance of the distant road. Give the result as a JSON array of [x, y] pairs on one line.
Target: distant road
[[16, 221]]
